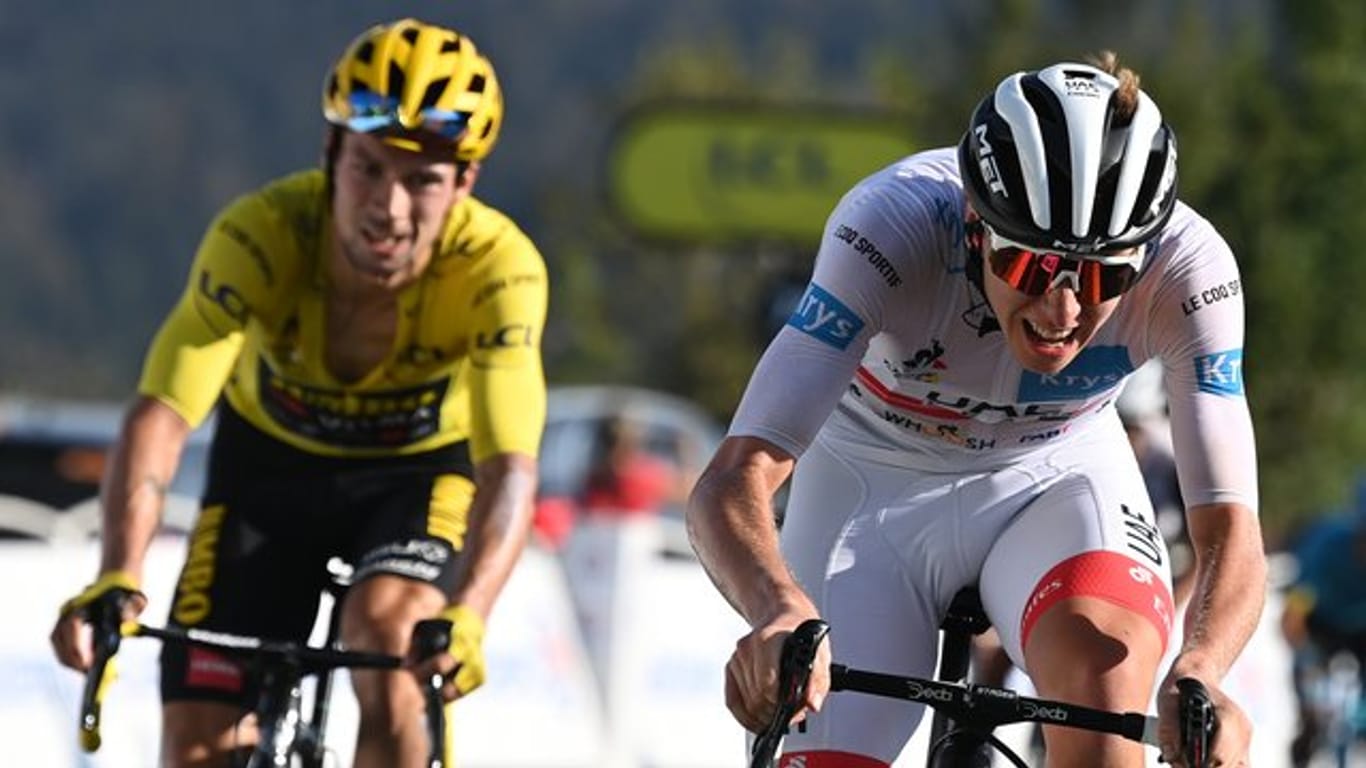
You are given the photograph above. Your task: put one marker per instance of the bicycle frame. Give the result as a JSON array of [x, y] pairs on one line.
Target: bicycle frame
[[310, 742], [952, 743]]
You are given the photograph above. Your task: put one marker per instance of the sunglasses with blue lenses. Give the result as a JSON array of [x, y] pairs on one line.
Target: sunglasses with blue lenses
[[372, 112]]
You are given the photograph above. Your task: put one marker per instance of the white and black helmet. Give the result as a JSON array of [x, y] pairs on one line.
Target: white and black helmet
[[1047, 162]]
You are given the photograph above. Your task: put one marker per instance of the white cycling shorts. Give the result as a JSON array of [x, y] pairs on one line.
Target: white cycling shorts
[[882, 549]]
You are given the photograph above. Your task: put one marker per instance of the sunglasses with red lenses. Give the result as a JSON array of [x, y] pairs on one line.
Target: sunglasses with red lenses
[[1094, 277]]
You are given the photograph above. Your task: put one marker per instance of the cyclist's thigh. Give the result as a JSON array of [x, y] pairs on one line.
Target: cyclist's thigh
[[880, 619], [1090, 533], [407, 518], [254, 562]]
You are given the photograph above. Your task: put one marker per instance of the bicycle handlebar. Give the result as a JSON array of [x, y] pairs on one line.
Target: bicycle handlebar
[[109, 632], [988, 707], [984, 706], [310, 660]]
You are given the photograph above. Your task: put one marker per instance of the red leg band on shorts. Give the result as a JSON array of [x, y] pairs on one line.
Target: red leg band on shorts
[[828, 758], [1109, 576]]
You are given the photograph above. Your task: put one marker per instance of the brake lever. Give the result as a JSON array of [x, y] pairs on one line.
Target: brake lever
[[794, 673], [1199, 722], [105, 616], [431, 637]]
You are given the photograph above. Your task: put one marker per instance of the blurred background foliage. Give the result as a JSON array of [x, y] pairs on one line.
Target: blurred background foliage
[[127, 125]]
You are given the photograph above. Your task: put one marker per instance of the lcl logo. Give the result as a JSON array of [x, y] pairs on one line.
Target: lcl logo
[[513, 335]]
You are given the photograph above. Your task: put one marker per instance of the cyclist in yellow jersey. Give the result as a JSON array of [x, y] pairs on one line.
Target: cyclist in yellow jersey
[[375, 332]]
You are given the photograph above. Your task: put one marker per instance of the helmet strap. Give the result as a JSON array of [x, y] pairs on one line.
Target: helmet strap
[[331, 149], [986, 322]]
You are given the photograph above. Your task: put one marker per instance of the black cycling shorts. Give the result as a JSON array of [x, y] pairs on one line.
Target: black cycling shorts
[[271, 518]]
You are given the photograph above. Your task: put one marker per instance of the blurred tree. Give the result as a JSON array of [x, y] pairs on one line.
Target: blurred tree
[[1294, 192]]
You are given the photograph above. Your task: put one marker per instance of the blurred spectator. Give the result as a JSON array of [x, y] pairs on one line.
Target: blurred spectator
[[1324, 614], [627, 479], [552, 521]]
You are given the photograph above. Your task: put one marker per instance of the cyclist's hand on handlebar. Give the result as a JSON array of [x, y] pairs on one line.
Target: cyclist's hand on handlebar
[[460, 659], [1232, 737], [114, 590], [752, 672]]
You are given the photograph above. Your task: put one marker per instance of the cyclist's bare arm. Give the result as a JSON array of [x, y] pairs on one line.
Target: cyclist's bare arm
[[1223, 612], [730, 523], [132, 494], [447, 654], [499, 525], [1228, 598]]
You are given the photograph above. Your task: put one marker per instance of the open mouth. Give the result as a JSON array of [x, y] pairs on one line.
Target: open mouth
[[1041, 335], [381, 239]]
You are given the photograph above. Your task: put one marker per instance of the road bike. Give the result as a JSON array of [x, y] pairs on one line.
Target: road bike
[[966, 714], [288, 735]]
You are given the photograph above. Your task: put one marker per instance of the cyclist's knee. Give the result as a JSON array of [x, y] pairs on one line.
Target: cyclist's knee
[[378, 613], [1091, 651], [204, 734]]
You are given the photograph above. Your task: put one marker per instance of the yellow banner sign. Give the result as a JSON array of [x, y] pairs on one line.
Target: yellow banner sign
[[712, 173]]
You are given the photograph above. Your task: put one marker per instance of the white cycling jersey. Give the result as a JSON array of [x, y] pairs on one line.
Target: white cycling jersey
[[931, 460], [893, 337]]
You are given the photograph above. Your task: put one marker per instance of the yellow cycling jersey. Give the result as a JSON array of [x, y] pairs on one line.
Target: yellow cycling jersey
[[465, 363]]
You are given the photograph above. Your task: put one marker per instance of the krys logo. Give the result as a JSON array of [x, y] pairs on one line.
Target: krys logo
[[825, 318], [1094, 370], [1220, 373]]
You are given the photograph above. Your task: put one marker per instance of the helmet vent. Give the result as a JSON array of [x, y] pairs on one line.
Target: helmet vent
[[477, 84], [433, 92], [365, 52], [396, 78], [410, 34], [450, 46], [1044, 103], [1056, 151]]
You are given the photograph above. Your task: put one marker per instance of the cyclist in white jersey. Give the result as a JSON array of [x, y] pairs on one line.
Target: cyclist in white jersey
[[948, 381]]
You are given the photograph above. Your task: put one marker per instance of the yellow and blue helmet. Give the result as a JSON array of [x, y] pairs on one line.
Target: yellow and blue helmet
[[409, 76]]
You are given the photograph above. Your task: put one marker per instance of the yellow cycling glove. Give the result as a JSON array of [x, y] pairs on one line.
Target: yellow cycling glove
[[107, 581], [94, 595], [467, 646]]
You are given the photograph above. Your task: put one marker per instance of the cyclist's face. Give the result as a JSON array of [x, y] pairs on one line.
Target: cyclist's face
[[389, 205], [1044, 332]]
